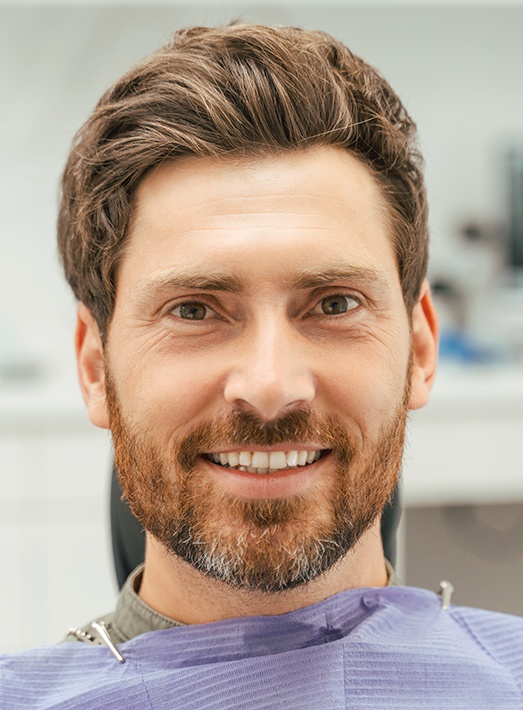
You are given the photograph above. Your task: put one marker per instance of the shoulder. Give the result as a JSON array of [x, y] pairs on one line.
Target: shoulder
[[498, 635], [68, 675]]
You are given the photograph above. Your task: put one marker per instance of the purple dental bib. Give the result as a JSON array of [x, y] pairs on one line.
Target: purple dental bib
[[386, 648]]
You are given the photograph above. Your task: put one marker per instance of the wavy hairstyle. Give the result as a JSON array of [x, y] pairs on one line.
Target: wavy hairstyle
[[239, 90]]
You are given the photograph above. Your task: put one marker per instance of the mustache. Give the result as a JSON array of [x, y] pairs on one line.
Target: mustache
[[242, 428]]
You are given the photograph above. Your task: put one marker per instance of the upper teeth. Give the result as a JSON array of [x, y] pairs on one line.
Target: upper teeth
[[265, 461]]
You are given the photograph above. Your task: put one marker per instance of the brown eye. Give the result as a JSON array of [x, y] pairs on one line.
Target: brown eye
[[332, 305], [192, 311]]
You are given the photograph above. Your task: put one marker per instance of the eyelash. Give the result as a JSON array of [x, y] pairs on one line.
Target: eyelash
[[193, 303], [347, 296], [209, 308]]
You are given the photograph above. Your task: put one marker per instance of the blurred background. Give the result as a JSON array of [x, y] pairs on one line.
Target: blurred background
[[457, 67]]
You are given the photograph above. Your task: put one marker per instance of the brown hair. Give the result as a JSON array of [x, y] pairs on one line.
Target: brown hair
[[243, 90]]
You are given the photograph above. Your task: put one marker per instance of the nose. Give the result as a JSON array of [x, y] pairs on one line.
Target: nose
[[269, 375]]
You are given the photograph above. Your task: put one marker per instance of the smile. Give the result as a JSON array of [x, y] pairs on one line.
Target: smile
[[264, 462]]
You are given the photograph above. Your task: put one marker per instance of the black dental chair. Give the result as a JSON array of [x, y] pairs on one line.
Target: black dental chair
[[128, 538]]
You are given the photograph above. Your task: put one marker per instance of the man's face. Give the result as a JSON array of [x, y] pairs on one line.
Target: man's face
[[257, 367]]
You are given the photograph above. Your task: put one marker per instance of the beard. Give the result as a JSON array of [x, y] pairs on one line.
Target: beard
[[265, 545]]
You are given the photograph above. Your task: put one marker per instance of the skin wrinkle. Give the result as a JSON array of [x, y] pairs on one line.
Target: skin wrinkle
[[169, 336], [160, 289]]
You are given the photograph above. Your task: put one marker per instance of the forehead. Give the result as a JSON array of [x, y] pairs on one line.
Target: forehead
[[259, 218]]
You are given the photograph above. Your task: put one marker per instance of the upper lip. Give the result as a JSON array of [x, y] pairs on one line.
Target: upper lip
[[277, 447]]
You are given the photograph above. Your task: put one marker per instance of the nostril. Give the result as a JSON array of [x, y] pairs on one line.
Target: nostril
[[269, 388]]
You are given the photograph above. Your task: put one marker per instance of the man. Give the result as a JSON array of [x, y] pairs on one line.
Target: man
[[244, 225]]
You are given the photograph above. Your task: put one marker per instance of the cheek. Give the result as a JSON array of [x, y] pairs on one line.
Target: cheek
[[170, 394], [365, 389]]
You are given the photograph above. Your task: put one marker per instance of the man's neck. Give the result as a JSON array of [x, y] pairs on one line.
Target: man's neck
[[178, 591]]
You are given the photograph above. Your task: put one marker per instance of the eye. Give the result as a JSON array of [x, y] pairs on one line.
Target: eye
[[336, 304], [192, 310]]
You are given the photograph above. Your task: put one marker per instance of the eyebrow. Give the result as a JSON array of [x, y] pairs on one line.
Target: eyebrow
[[314, 278], [211, 280], [179, 280]]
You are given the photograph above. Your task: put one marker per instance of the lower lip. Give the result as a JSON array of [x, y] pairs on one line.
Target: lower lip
[[268, 486]]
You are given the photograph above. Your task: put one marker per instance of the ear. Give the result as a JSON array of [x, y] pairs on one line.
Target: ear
[[425, 334], [90, 364]]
